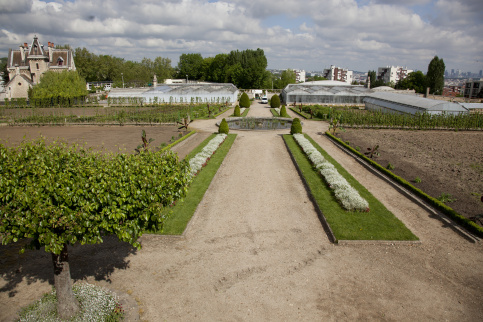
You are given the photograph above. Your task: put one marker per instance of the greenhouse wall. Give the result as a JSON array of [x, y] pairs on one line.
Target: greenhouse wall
[[323, 99]]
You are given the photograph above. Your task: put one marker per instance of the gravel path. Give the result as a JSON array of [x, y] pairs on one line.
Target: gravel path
[[256, 251]]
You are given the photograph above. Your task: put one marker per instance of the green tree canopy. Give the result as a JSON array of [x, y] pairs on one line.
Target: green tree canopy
[[191, 65], [435, 75], [58, 195], [371, 75], [286, 77], [64, 86], [415, 80]]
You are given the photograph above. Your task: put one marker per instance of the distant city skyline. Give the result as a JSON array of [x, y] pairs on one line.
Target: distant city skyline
[[311, 35]]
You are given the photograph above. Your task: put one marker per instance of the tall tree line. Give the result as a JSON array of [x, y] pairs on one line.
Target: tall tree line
[[245, 69], [109, 68]]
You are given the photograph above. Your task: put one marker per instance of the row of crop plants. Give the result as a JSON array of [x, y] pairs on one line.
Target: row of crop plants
[[353, 117], [160, 114]]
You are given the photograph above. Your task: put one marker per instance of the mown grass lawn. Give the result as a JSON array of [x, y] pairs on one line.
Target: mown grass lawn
[[377, 224]]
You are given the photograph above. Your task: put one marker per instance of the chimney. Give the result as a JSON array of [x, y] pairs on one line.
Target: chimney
[[25, 45], [22, 53], [52, 44], [48, 44]]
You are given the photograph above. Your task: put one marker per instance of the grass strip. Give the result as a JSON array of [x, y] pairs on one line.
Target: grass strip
[[178, 141], [274, 113], [463, 221], [184, 209], [245, 112], [377, 224]]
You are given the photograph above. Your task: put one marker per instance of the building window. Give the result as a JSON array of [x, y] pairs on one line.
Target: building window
[[19, 84], [37, 64]]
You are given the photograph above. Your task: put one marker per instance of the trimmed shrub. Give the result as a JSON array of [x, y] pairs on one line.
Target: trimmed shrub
[[275, 101], [237, 111], [283, 112], [244, 100], [224, 126], [296, 126]]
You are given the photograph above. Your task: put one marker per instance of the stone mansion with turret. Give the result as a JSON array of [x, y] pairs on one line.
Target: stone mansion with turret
[[26, 65]]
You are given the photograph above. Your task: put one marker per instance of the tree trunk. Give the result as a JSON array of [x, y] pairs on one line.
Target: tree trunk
[[67, 304]]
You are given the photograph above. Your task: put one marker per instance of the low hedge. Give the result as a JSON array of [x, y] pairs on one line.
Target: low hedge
[[298, 113], [465, 222]]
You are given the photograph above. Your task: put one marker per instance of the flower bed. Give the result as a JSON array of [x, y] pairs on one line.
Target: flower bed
[[200, 159], [344, 192]]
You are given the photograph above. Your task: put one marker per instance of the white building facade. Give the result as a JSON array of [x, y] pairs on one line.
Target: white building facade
[[299, 75], [392, 74], [338, 74]]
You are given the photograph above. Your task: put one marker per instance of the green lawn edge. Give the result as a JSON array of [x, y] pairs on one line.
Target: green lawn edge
[[274, 113], [244, 114], [178, 141], [377, 224], [451, 213], [184, 209]]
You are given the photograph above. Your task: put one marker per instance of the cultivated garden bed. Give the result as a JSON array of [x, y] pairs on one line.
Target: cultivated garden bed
[[447, 165]]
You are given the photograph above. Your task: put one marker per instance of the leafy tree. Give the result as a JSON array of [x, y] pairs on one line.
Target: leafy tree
[[244, 100], [415, 80], [371, 75], [216, 71], [275, 101], [250, 72], [3, 69], [191, 65], [59, 88], [287, 77], [237, 111], [315, 78], [435, 75], [296, 126], [58, 195]]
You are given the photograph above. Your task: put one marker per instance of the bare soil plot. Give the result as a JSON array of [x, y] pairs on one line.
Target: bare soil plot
[[447, 162], [110, 138]]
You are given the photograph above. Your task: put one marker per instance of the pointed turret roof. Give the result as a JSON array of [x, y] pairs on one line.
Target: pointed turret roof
[[36, 49]]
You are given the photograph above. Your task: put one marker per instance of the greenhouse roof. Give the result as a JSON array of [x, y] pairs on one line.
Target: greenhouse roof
[[326, 88], [187, 89], [415, 101]]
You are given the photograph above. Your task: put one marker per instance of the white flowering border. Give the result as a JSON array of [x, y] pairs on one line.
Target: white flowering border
[[344, 192], [200, 159], [277, 109], [242, 109]]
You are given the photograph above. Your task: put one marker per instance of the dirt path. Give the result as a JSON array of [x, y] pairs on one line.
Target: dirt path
[[255, 251]]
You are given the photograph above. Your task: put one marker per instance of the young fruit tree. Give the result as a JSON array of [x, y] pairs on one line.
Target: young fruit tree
[[58, 195]]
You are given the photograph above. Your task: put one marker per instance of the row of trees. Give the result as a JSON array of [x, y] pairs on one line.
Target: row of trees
[[245, 69], [109, 68]]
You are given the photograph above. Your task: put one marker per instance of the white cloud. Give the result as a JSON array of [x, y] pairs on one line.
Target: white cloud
[[361, 34]]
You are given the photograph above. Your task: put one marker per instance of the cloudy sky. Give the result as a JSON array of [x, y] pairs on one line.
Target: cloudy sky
[[304, 34]]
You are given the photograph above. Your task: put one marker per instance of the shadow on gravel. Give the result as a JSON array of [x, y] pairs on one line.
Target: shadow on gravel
[[99, 261]]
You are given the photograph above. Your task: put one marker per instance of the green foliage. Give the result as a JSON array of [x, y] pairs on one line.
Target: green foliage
[[144, 147], [63, 88], [390, 166], [378, 224], [286, 77], [61, 194], [468, 224], [415, 80], [283, 111], [417, 180], [237, 111], [275, 101], [244, 100], [446, 197], [373, 152], [371, 75], [435, 75], [191, 65], [223, 127], [296, 126], [94, 67]]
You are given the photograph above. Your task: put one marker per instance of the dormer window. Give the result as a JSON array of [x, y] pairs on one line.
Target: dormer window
[[60, 62]]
